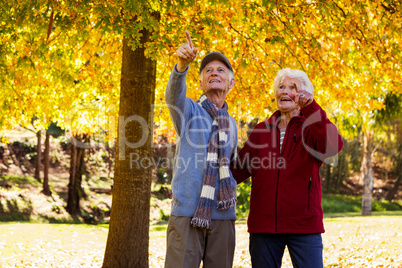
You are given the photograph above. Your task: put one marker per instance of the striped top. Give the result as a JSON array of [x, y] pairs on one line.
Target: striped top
[[283, 131]]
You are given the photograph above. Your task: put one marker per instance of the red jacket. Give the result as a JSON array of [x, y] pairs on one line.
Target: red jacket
[[286, 185]]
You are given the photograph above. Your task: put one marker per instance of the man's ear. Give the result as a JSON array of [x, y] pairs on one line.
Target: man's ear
[[231, 83]]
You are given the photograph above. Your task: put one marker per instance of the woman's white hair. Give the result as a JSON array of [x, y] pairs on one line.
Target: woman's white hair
[[295, 74]]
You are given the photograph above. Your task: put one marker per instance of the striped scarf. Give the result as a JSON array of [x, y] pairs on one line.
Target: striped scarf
[[217, 166]]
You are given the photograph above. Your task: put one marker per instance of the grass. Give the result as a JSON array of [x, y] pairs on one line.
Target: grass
[[356, 241], [45, 245], [22, 201], [162, 226], [20, 180], [336, 203], [331, 204], [363, 241], [358, 214], [350, 239]]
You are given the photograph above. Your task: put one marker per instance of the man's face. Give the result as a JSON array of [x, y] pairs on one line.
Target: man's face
[[216, 76]]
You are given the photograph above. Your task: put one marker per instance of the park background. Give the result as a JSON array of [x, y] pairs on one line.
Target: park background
[[72, 72]]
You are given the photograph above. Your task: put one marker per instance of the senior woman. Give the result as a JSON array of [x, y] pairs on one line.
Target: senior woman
[[283, 156]]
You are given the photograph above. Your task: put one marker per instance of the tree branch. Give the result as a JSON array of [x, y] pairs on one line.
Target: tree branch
[[390, 9], [343, 12], [249, 38], [287, 46]]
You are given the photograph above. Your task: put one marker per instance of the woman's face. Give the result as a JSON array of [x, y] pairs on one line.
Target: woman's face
[[283, 101]]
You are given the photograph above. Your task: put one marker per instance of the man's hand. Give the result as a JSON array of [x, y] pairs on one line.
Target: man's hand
[[185, 54]]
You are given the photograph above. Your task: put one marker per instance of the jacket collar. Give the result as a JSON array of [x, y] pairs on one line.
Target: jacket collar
[[275, 118]]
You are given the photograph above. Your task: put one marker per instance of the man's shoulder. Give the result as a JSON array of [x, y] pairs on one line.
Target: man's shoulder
[[233, 120], [194, 105]]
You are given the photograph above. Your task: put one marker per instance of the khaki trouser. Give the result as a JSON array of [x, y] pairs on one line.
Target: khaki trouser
[[187, 246]]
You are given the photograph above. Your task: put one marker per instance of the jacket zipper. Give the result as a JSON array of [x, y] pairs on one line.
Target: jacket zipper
[[277, 180], [280, 163], [308, 193]]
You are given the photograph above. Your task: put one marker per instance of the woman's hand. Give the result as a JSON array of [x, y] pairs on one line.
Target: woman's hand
[[302, 98]]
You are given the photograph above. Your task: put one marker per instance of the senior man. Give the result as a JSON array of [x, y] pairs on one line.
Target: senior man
[[202, 222]]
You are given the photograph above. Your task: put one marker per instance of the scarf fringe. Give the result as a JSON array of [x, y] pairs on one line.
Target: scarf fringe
[[225, 204], [202, 223]]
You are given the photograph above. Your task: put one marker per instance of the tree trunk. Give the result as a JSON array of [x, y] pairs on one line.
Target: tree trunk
[[367, 173], [128, 238], [46, 189], [76, 171], [391, 194], [328, 178], [342, 167], [38, 155], [110, 158]]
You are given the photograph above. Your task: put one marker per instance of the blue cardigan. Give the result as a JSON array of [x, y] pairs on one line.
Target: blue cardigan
[[193, 129]]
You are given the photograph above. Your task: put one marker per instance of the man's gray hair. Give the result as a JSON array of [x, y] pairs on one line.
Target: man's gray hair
[[296, 74]]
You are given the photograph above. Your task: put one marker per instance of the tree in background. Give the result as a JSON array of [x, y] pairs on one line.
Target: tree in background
[[56, 56], [389, 139], [128, 237], [77, 170], [54, 61], [38, 156], [350, 50]]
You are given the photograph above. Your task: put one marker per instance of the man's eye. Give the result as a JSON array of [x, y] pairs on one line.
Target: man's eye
[[208, 70], [281, 87]]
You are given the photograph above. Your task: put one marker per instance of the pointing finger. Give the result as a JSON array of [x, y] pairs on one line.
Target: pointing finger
[[292, 96], [297, 90], [189, 39]]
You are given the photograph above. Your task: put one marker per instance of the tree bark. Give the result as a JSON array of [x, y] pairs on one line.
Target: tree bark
[[76, 172], [367, 173], [128, 238], [46, 189], [38, 156]]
